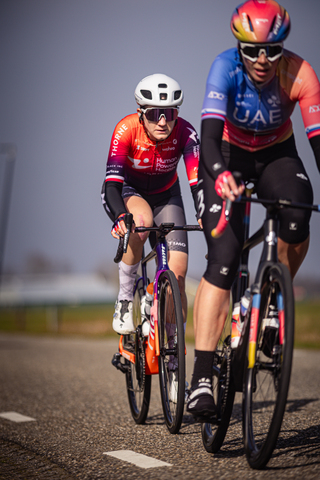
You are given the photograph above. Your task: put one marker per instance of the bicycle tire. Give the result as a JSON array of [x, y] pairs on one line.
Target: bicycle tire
[[267, 383], [172, 351], [213, 435], [137, 382]]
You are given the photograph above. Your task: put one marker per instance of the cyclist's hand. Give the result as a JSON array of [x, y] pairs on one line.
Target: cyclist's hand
[[200, 222], [226, 186], [119, 227]]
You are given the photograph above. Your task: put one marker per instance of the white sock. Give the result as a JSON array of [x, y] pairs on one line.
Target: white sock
[[127, 276]]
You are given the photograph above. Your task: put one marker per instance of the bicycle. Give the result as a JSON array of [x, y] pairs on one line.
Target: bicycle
[[163, 351], [260, 367]]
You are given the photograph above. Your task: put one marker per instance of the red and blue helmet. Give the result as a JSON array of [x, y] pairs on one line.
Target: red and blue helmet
[[260, 21]]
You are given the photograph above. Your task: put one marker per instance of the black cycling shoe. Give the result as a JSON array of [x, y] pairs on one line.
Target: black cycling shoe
[[200, 402]]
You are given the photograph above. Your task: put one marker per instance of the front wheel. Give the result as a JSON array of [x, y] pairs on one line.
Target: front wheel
[[267, 383], [138, 383], [172, 351]]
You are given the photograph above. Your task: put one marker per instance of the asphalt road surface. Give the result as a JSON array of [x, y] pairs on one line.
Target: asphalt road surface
[[74, 415]]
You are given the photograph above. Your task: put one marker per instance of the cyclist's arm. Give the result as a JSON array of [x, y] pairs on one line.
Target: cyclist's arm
[[112, 199], [210, 152], [191, 152], [315, 144], [211, 156]]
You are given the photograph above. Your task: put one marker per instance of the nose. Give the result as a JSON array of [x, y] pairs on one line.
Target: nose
[[262, 58], [162, 120]]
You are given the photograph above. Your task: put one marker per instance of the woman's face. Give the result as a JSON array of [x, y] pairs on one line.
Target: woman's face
[[157, 131], [262, 70]]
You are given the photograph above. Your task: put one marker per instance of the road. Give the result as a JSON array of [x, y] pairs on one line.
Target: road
[[79, 412]]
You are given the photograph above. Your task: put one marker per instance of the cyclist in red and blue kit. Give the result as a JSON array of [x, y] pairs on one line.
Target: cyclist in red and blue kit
[[142, 179], [250, 95]]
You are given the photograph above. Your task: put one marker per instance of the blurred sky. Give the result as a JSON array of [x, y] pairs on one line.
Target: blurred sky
[[68, 72]]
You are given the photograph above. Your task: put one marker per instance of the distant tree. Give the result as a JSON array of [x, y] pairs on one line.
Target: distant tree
[[38, 263]]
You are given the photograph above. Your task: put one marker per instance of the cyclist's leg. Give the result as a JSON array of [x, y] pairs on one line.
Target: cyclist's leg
[[213, 295], [292, 255], [170, 208], [207, 336], [285, 177], [142, 215], [178, 263]]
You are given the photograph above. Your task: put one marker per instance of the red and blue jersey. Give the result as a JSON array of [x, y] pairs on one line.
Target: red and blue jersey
[[256, 118], [151, 167]]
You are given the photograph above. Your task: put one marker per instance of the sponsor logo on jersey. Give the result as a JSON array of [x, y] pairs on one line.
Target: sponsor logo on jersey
[[137, 163], [275, 117], [292, 77], [216, 95], [314, 109], [193, 135], [215, 208], [273, 101], [116, 138]]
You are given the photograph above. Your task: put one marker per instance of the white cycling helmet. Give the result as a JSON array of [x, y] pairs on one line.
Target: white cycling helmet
[[158, 90]]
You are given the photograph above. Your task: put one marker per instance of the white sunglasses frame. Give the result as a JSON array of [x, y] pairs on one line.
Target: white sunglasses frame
[[144, 110], [262, 50]]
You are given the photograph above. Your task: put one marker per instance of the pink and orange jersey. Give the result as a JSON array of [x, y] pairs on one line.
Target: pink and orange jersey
[[257, 118], [151, 167]]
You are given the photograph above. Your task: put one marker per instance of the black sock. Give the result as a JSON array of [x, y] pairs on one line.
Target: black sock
[[203, 362]]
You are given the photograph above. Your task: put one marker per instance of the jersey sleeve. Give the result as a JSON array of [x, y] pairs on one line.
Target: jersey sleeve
[[119, 151], [191, 153], [310, 102], [217, 88], [302, 85]]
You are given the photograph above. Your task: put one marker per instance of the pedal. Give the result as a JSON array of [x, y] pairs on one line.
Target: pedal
[[116, 362]]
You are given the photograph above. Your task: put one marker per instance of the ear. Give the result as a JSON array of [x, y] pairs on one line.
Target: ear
[[140, 114]]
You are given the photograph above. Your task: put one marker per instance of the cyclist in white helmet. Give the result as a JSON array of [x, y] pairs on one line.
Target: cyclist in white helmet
[[141, 178]]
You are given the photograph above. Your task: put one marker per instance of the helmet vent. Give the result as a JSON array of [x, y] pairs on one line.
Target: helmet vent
[[162, 85], [250, 23], [163, 96], [146, 94], [272, 24], [177, 94]]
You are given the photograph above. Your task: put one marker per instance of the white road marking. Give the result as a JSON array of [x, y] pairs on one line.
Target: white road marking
[[137, 459], [16, 417]]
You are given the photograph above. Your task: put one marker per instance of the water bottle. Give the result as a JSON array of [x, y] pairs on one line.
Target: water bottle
[[235, 325], [244, 304], [146, 303], [149, 300]]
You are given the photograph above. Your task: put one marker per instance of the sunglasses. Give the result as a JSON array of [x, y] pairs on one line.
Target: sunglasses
[[252, 52], [155, 114]]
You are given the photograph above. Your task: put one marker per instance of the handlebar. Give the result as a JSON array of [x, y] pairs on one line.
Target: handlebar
[[163, 228], [277, 204]]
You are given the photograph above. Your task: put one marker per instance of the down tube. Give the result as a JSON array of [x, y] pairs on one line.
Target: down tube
[[254, 320]]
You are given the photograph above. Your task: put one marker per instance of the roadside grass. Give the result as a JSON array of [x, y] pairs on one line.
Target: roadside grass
[[96, 321]]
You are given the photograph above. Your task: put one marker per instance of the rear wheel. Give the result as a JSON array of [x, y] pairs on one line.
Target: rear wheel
[[267, 383], [138, 383], [172, 351], [213, 435]]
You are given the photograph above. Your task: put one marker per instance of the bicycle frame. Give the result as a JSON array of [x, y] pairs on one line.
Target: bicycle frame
[[152, 348], [267, 234]]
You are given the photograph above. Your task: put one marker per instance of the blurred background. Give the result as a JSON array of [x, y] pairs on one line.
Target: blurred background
[[68, 73]]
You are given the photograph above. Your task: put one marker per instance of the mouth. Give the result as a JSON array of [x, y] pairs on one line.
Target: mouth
[[261, 73]]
